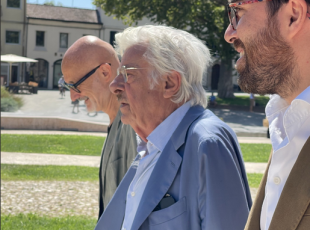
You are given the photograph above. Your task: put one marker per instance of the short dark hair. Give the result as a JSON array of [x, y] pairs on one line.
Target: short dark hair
[[275, 5]]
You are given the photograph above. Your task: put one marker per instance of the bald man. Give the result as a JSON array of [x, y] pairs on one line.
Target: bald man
[[89, 66]]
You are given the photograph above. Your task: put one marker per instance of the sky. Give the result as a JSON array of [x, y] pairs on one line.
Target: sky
[[86, 4]]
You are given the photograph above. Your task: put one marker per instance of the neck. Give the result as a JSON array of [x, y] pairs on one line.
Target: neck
[[145, 128]]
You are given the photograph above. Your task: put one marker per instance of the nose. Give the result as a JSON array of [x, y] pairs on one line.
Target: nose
[[74, 95], [117, 86], [230, 34]]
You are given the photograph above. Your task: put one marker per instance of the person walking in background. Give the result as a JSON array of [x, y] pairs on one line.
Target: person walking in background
[[61, 86], [189, 173], [273, 39], [76, 105], [89, 66], [252, 102]]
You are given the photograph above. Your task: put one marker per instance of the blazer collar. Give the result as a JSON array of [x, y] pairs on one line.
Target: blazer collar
[[165, 169], [295, 197]]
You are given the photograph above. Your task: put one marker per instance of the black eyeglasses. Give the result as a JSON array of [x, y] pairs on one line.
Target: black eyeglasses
[[75, 85], [233, 11]]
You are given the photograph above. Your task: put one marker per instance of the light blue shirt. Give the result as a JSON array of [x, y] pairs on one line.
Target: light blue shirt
[[149, 153]]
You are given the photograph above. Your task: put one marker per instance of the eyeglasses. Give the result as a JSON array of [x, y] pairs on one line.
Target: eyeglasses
[[123, 71], [233, 12], [75, 85]]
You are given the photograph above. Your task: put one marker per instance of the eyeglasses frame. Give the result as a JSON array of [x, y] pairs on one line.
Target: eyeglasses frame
[[124, 68], [75, 85], [230, 7]]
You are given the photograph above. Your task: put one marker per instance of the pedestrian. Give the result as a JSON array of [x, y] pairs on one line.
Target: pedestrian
[[61, 87], [89, 66], [252, 102], [273, 39], [189, 173], [76, 105]]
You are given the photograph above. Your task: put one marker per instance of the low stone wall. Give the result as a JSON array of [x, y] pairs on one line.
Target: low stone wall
[[51, 123]]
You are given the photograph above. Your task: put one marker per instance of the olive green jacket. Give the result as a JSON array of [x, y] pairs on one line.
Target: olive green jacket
[[118, 152], [293, 209]]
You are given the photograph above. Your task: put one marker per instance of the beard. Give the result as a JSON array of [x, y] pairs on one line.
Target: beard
[[269, 65]]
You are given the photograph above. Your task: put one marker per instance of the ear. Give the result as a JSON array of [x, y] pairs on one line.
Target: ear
[[172, 84], [296, 11], [105, 72]]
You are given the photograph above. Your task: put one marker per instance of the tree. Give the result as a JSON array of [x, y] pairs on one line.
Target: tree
[[206, 19], [52, 3]]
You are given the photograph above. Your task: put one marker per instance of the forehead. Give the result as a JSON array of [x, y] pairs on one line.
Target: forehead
[[134, 56]]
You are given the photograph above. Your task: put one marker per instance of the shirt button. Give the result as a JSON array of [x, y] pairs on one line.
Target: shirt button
[[133, 193], [276, 180]]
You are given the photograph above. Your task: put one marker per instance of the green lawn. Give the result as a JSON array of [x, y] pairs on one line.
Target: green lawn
[[33, 221], [48, 172], [255, 152], [69, 173], [242, 100], [92, 145], [57, 144], [254, 179]]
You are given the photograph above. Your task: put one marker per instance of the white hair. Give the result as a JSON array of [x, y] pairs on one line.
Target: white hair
[[169, 49]]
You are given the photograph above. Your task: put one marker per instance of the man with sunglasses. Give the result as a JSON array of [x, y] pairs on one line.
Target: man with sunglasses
[[273, 39], [89, 66], [189, 173]]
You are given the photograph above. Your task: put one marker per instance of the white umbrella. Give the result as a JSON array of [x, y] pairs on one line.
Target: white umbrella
[[12, 58]]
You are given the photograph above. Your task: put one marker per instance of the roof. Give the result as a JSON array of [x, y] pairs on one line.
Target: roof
[[60, 13]]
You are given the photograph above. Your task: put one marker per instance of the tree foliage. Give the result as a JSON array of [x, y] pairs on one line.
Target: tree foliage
[[206, 19]]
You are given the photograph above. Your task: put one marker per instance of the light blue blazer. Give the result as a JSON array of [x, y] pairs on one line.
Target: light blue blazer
[[201, 167]]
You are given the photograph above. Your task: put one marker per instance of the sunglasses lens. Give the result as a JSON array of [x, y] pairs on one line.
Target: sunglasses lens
[[233, 18]]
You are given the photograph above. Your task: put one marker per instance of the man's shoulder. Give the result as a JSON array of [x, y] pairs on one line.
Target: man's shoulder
[[208, 124]]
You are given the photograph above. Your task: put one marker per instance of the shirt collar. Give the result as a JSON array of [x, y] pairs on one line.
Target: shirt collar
[[294, 115], [163, 132]]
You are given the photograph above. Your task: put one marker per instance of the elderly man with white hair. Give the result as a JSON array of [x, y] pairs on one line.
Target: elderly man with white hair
[[189, 173]]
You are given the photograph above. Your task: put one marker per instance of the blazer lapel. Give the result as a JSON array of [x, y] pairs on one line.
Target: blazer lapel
[[113, 216], [165, 169], [295, 196]]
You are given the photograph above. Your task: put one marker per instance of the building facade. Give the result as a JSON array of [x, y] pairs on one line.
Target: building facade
[[13, 36], [44, 33]]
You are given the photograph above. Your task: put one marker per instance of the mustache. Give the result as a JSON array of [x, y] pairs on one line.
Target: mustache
[[237, 44], [120, 97]]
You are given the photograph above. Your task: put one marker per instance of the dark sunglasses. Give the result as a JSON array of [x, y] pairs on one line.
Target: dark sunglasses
[[233, 11], [75, 85]]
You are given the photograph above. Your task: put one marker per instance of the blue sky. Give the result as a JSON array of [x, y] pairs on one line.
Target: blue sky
[[86, 4]]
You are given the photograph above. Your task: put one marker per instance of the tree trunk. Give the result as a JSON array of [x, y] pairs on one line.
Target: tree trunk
[[225, 85]]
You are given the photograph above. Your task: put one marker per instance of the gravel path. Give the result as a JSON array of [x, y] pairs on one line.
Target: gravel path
[[56, 198]]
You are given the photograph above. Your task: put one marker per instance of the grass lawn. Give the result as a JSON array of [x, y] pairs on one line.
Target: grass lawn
[[48, 172], [57, 144], [255, 152], [242, 100], [33, 221], [70, 173], [254, 179]]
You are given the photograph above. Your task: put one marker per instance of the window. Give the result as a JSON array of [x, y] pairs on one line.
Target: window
[[112, 37], [40, 38], [12, 37], [63, 40], [13, 3]]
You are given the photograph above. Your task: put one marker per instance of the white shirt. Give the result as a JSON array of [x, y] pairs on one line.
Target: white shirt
[[149, 153], [289, 127]]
